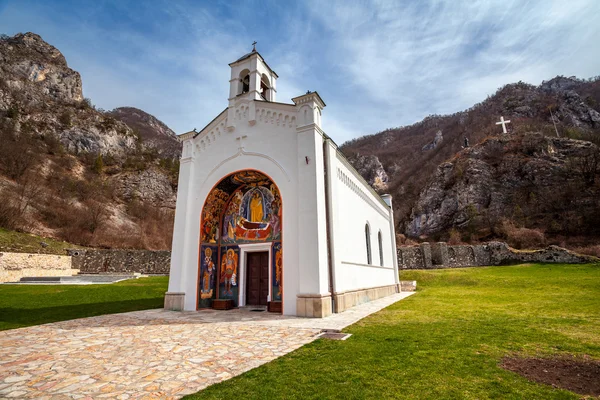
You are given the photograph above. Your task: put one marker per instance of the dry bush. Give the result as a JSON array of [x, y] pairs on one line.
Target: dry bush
[[17, 155], [454, 237], [522, 238], [591, 250], [118, 238], [77, 222], [402, 240], [9, 212]]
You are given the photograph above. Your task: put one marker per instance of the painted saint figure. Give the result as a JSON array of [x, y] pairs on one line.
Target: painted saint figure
[[278, 270], [256, 207], [229, 271], [207, 291]]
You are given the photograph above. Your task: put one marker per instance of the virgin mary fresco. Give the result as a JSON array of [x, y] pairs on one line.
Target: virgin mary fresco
[[256, 208]]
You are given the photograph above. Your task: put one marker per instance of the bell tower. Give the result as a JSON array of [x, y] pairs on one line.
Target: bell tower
[[251, 79]]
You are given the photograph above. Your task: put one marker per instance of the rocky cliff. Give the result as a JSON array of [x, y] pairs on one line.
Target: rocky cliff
[[44, 95], [559, 109], [538, 181], [75, 172]]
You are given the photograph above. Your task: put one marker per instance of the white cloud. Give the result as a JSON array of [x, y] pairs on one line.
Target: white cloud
[[376, 64], [439, 57]]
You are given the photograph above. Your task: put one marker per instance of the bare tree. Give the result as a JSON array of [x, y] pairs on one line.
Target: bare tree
[[96, 214], [586, 165]]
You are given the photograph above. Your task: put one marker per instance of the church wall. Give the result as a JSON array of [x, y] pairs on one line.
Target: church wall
[[356, 206], [312, 224], [285, 143], [269, 147]]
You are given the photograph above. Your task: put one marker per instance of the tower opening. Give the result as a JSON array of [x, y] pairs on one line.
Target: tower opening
[[264, 87], [244, 81]]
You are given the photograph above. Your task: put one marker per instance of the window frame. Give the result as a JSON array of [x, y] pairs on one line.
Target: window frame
[[368, 240], [380, 240]]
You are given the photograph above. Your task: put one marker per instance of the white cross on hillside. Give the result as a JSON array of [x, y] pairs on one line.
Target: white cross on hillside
[[503, 123]]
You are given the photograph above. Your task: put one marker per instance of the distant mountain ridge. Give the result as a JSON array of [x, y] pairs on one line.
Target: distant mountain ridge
[[154, 133], [410, 156]]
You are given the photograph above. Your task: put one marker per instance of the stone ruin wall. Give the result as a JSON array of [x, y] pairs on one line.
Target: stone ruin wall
[[441, 255], [14, 266], [101, 261]]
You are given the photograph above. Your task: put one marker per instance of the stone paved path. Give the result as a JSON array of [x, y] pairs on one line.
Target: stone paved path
[[154, 353]]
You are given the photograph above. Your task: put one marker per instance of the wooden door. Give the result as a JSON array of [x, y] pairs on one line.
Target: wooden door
[[257, 281]]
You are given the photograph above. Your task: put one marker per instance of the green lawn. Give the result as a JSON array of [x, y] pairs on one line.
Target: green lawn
[[444, 342], [25, 305]]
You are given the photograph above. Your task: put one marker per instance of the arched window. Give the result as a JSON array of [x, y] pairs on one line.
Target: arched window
[[380, 248], [264, 87], [244, 82], [368, 239]]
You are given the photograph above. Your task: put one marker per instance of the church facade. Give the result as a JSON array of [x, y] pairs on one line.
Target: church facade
[[271, 214]]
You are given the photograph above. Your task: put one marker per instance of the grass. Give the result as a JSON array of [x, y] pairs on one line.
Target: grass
[[445, 342], [19, 242], [26, 305]]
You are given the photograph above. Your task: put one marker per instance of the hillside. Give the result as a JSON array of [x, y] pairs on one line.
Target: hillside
[[153, 132], [74, 172], [404, 161]]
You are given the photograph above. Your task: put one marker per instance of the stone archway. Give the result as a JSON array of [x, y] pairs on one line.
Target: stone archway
[[242, 215]]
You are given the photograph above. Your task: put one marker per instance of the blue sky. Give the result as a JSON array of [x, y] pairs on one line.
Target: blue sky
[[377, 64]]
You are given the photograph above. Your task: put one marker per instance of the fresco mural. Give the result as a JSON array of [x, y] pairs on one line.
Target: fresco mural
[[208, 272], [228, 273], [211, 213], [277, 264], [253, 215], [244, 207]]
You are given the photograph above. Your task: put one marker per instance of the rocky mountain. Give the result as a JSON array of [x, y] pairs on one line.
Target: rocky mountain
[[153, 132], [537, 181], [40, 89], [75, 172], [451, 173]]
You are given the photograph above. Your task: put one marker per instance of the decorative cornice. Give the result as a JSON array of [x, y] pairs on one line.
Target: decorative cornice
[[308, 97]]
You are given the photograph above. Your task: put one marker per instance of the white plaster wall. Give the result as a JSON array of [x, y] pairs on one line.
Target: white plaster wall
[[270, 146], [354, 205]]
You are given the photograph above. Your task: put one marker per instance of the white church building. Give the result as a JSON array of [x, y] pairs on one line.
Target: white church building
[[270, 214]]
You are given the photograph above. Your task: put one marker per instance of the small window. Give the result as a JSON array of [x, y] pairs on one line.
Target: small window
[[380, 248], [368, 239]]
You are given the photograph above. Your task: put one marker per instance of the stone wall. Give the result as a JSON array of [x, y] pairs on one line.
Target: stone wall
[[441, 255], [14, 266], [99, 261]]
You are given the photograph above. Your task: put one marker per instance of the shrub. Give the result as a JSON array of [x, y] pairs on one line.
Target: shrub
[[98, 165], [522, 238], [16, 156], [591, 250], [12, 112], [53, 144], [454, 237], [9, 213]]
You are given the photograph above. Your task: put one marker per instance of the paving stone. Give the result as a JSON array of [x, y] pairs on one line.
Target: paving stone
[[153, 354]]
